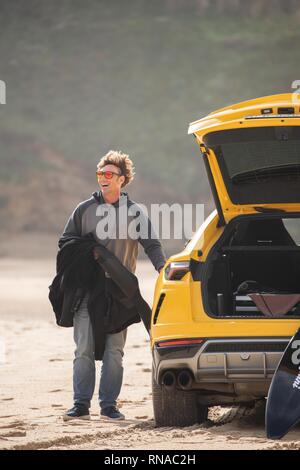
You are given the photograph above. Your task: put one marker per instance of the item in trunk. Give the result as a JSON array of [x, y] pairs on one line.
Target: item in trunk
[[244, 303], [221, 305], [251, 296], [275, 304]]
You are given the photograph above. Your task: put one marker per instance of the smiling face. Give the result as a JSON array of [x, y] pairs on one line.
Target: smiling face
[[111, 188]]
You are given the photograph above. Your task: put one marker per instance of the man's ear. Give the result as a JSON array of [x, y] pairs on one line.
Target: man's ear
[[122, 178]]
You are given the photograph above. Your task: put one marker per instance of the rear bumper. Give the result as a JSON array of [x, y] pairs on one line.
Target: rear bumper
[[219, 361]]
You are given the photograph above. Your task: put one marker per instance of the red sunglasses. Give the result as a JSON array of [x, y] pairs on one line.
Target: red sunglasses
[[108, 174]]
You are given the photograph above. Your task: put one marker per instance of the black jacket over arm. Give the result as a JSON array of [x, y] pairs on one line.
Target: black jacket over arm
[[114, 303]]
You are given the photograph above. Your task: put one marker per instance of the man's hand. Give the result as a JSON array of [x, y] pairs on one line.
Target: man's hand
[[96, 254]]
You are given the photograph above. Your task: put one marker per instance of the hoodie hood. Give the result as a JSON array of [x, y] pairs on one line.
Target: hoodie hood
[[97, 195]]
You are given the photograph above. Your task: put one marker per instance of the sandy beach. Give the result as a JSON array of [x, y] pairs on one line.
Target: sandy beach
[[36, 381]]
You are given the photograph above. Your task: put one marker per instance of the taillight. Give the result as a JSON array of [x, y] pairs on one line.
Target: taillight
[[179, 342], [176, 270]]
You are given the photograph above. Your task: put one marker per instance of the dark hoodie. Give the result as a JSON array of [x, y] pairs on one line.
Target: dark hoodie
[[87, 217]]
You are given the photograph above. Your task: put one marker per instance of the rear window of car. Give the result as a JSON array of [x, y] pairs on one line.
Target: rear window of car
[[247, 150], [245, 157], [259, 165]]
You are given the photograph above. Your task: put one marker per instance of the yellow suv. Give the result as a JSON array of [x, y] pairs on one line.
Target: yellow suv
[[225, 307]]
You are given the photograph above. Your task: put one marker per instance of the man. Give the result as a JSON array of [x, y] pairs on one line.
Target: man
[[114, 171]]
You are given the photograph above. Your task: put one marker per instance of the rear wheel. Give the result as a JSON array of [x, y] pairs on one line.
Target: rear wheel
[[176, 407]]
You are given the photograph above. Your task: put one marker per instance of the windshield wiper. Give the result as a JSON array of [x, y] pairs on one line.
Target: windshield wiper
[[291, 169], [266, 210]]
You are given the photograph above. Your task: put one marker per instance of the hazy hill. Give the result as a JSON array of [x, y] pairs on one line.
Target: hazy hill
[[86, 76]]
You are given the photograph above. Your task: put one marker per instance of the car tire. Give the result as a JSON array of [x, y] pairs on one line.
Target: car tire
[[176, 407]]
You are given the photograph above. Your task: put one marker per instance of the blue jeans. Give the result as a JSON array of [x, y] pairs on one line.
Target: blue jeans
[[84, 363]]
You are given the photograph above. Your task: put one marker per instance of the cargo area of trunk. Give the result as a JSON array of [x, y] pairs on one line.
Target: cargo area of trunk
[[254, 271]]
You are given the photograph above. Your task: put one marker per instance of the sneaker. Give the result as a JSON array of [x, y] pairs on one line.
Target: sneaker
[[111, 413], [77, 412]]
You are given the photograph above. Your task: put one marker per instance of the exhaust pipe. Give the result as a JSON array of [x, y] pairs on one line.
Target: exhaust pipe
[[168, 380], [185, 379]]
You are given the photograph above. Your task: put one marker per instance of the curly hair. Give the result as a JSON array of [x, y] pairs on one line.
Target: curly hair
[[122, 161]]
